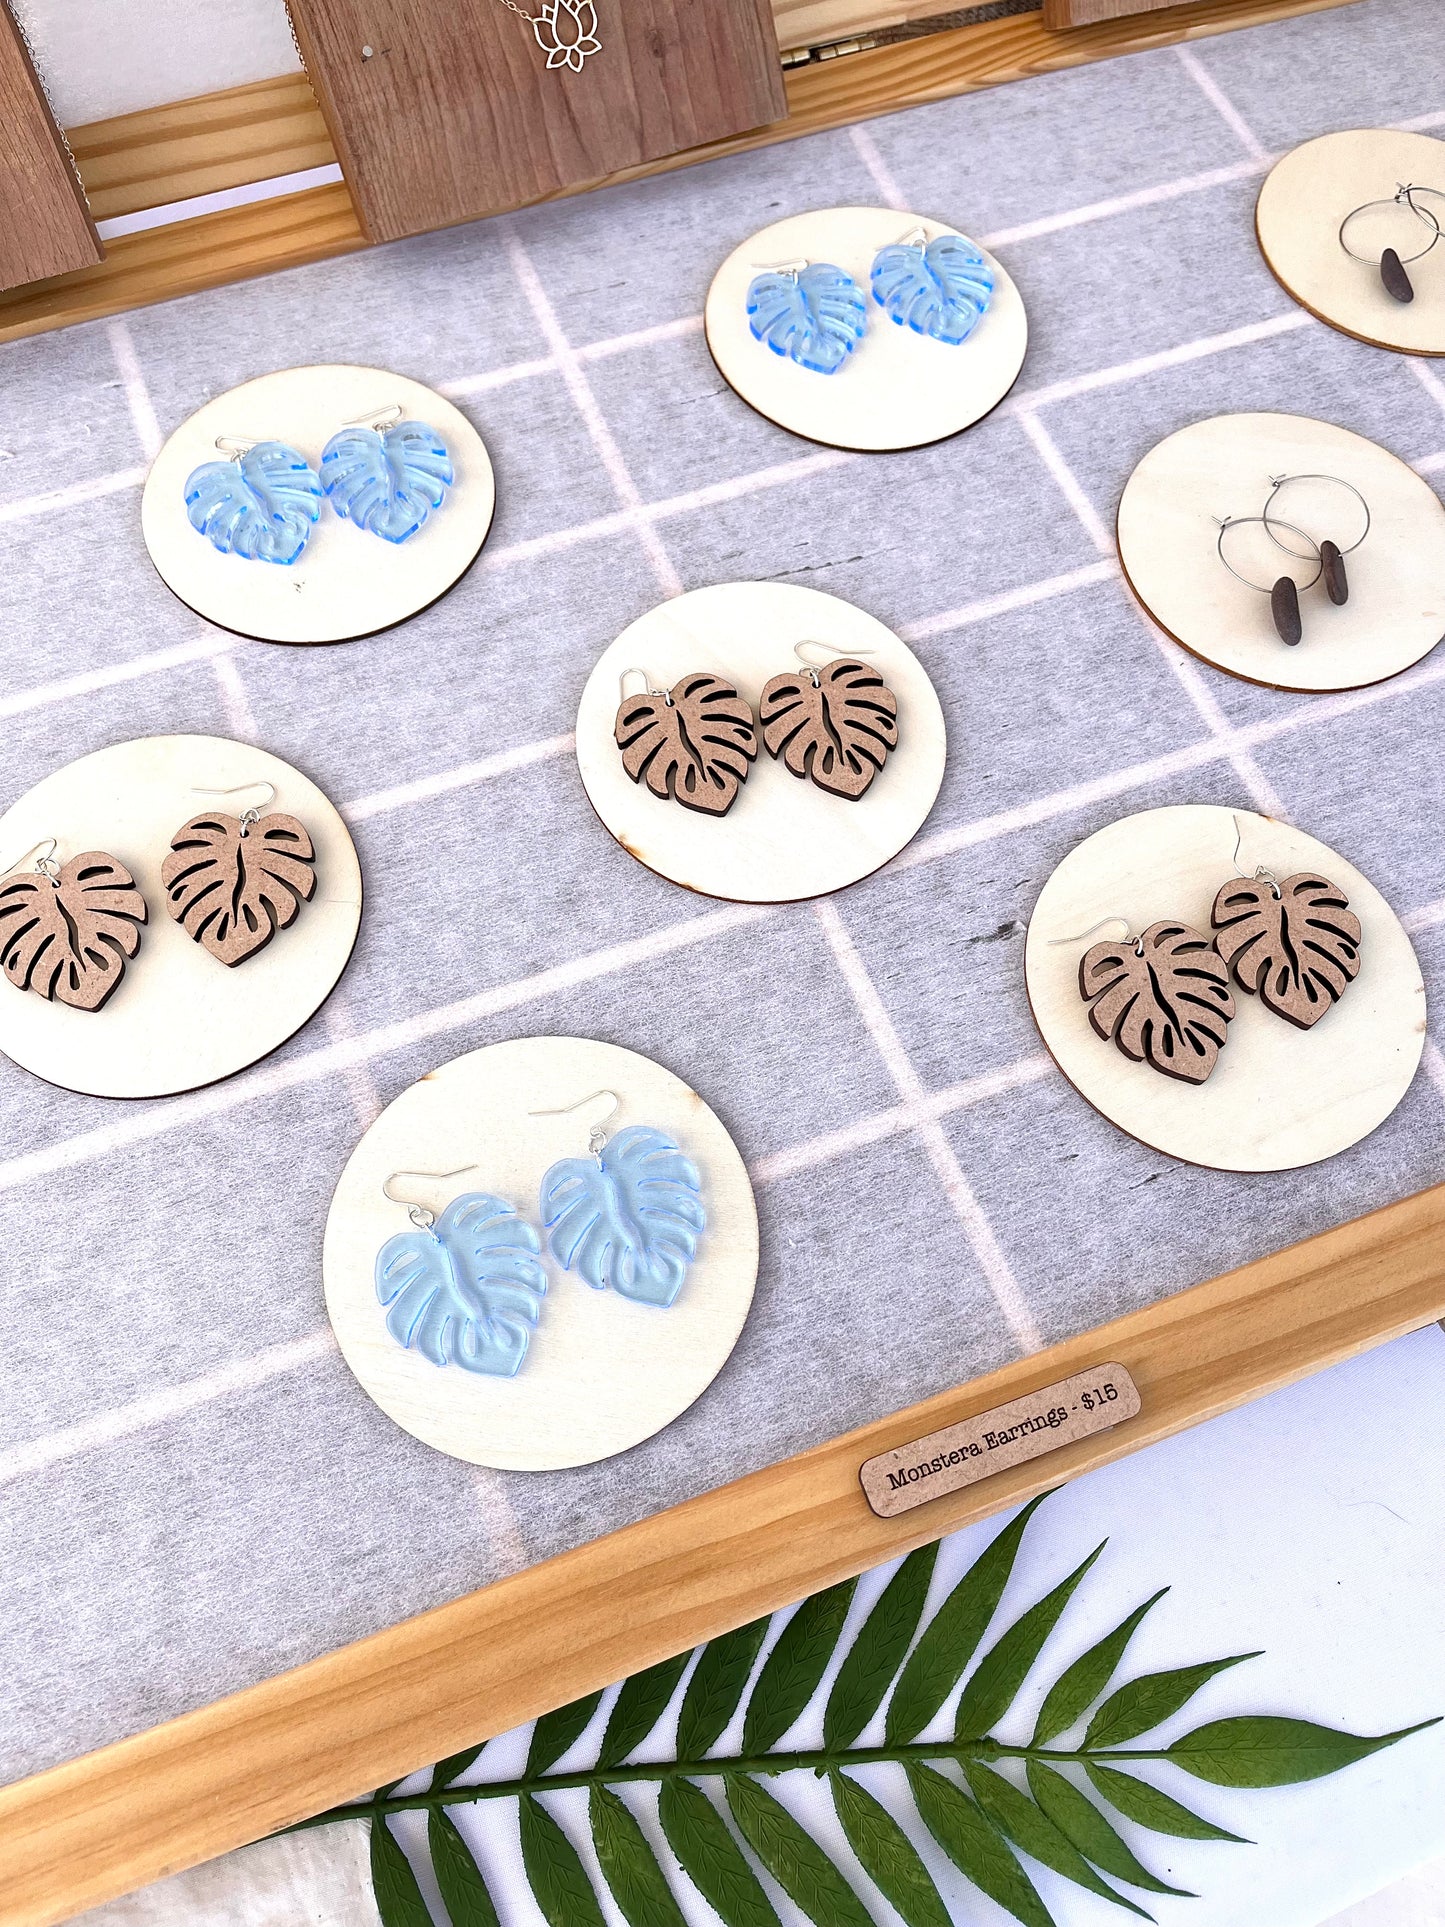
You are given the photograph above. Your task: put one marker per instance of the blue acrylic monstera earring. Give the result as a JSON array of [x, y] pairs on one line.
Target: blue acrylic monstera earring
[[940, 288], [261, 503], [386, 475], [810, 312], [464, 1288], [627, 1217]]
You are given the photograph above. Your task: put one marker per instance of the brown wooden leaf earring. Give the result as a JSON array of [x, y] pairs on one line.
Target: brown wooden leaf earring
[[233, 881], [834, 722], [692, 742], [1162, 999], [1293, 943], [67, 930]]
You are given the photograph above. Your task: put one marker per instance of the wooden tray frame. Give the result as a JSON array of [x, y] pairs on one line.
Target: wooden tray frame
[[331, 1730]]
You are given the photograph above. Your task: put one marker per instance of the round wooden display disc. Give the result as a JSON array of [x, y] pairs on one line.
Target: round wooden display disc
[[1297, 218], [1223, 466], [180, 1017], [601, 1372], [346, 583], [897, 389], [784, 838], [1278, 1097]]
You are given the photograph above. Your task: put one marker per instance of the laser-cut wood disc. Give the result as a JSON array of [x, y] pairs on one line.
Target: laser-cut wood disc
[[1278, 1097]]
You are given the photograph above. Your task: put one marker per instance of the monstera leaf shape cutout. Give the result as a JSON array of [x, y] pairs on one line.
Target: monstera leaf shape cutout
[[387, 483], [232, 885], [262, 507], [815, 317], [942, 290], [1163, 998], [1296, 944], [629, 1219], [68, 937], [468, 1289], [693, 743], [835, 724]]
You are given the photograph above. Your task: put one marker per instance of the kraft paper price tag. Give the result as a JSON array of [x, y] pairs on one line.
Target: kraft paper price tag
[[1025, 1428]]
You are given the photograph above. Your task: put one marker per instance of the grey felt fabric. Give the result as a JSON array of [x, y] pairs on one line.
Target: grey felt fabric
[[194, 1492]]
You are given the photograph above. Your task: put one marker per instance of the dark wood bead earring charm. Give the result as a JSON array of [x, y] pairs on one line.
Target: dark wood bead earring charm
[[1284, 591], [1390, 262], [232, 882], [833, 724], [691, 743]]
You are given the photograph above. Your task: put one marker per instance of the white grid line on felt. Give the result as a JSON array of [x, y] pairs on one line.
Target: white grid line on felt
[[1008, 1294], [1222, 104], [137, 395], [1186, 671], [181, 1112], [143, 1414], [867, 151], [593, 419]]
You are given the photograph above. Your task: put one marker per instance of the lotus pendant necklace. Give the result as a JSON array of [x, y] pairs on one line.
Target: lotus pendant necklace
[[565, 30]]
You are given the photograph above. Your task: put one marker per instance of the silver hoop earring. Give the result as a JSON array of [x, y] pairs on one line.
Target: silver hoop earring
[[1284, 593], [1332, 556], [1391, 264]]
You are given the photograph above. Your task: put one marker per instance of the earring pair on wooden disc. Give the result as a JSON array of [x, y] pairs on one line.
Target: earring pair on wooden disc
[[1164, 998], [832, 723]]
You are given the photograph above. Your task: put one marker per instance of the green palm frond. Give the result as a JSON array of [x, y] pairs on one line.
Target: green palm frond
[[730, 1839]]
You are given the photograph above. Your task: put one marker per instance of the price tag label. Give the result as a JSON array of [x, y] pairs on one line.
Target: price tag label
[[975, 1448]]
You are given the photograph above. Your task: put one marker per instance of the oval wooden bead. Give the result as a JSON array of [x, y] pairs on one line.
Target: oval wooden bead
[[1392, 273], [1284, 607], [1337, 583]]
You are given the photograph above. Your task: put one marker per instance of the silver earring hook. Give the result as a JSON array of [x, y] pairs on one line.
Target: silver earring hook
[[252, 815], [646, 689], [1079, 936], [834, 653], [44, 863], [790, 268], [916, 237], [1260, 874], [597, 1135], [376, 418], [233, 447], [420, 1216]]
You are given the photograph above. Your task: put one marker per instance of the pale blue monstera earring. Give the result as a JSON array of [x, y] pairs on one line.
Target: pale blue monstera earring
[[940, 288], [810, 312], [464, 1288], [386, 475], [628, 1216], [261, 503]]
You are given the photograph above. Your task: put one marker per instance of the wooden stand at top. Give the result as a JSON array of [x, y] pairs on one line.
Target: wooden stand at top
[[45, 228], [445, 110], [1084, 13]]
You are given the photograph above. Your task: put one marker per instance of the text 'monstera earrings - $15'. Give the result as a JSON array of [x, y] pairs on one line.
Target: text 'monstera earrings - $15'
[[68, 930], [386, 475], [261, 503], [692, 742], [1332, 555], [1293, 943], [1390, 262], [939, 288], [232, 882], [1162, 999], [628, 1216], [465, 1288], [833, 722]]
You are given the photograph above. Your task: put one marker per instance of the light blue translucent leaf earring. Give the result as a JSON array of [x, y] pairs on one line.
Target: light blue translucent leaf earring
[[939, 288], [261, 503], [628, 1216], [809, 311], [464, 1288], [386, 475]]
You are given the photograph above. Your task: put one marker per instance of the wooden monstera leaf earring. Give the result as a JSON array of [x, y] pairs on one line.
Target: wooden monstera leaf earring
[[1292, 942], [1162, 999], [692, 742], [67, 930], [232, 882], [833, 722]]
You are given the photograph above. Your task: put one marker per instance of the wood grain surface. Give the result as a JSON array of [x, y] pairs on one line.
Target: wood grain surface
[[443, 110], [1083, 13], [44, 226], [335, 1728], [211, 250]]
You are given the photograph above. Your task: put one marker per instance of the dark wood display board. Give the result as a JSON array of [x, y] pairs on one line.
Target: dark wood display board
[[44, 227], [443, 110]]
